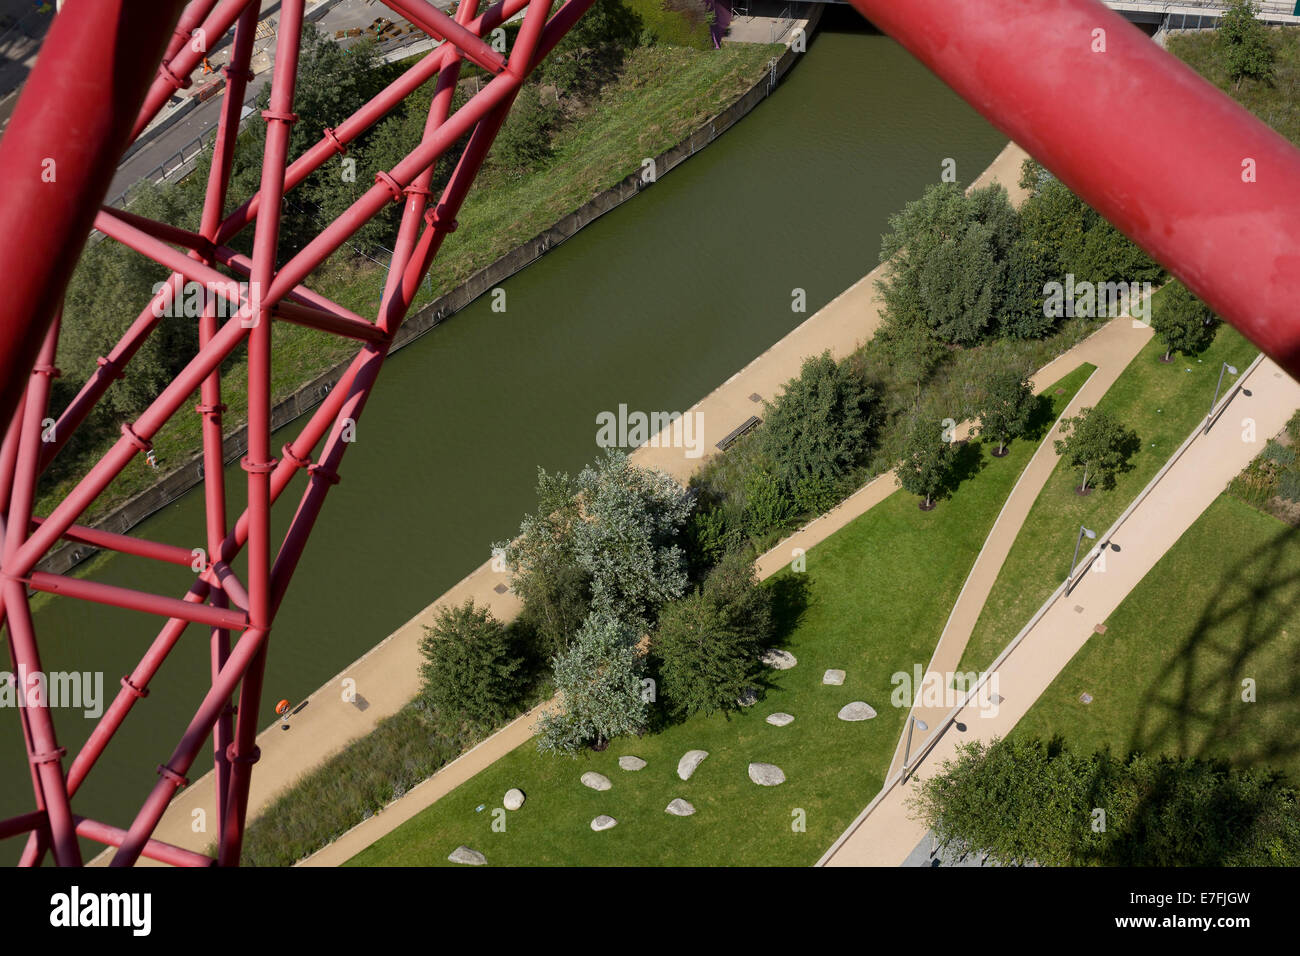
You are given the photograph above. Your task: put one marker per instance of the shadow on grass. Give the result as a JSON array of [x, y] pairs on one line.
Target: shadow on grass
[[1198, 695]]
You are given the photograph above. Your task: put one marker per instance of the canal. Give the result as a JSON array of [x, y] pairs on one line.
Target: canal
[[653, 306]]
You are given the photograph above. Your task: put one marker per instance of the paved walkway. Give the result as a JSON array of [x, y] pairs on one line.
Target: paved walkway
[[387, 677], [887, 834], [1111, 349]]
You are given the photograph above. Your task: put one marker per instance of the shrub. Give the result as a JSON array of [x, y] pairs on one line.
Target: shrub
[[1288, 485], [1276, 451], [599, 678], [767, 506], [709, 642], [819, 425], [473, 666]]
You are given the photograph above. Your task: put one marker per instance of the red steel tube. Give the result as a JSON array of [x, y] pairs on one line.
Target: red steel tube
[[1158, 151], [71, 125]]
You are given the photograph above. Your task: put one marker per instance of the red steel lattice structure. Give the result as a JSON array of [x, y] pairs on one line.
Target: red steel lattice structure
[[1150, 145]]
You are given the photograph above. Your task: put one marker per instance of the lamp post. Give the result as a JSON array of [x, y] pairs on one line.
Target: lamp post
[[1226, 368], [1088, 532], [914, 721]]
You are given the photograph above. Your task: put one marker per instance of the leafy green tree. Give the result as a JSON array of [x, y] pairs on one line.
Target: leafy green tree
[[472, 667], [600, 681], [1024, 800], [927, 460], [525, 139], [709, 642], [1087, 246], [592, 52], [911, 350], [1183, 322], [1097, 443], [629, 540], [544, 566], [947, 254], [1030, 267], [1243, 43], [1007, 405], [819, 425]]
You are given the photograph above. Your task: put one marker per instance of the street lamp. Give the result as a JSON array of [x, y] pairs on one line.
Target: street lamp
[[1226, 368], [907, 747], [1078, 541]]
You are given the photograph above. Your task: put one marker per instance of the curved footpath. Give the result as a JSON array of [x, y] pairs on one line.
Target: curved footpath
[[387, 677], [885, 833]]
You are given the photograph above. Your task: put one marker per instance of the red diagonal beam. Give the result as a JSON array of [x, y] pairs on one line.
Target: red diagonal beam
[[437, 24], [58, 155]]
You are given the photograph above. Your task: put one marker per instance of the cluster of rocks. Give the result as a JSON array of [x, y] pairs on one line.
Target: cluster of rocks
[[762, 774]]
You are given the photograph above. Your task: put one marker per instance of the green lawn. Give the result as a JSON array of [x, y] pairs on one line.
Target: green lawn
[[872, 602], [1222, 606], [1162, 403]]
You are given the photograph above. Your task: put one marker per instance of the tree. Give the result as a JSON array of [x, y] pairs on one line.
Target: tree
[[927, 460], [472, 669], [947, 254], [819, 425], [1183, 322], [599, 678], [1007, 406], [628, 540], [1097, 443], [525, 138], [593, 49], [544, 567], [1243, 43], [911, 350], [709, 642], [1024, 800]]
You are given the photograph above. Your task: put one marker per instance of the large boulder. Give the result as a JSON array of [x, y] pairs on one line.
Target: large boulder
[[597, 781], [690, 760], [514, 799], [780, 719], [766, 774], [748, 697], [833, 677], [680, 808], [781, 660], [631, 763], [858, 710], [463, 854], [603, 822]]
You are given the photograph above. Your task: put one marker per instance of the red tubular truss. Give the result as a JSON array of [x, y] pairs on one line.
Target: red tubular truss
[[237, 614], [1028, 65]]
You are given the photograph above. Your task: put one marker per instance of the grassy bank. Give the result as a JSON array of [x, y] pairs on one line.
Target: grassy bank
[[1221, 608], [1277, 102], [1162, 403], [855, 608], [663, 94]]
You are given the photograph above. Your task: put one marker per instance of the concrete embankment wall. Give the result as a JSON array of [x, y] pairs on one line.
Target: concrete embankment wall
[[190, 473]]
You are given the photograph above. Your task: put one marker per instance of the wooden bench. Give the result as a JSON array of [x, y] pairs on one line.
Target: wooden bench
[[743, 428]]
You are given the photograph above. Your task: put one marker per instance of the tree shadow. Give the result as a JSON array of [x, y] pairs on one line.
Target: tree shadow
[[968, 461], [790, 600]]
